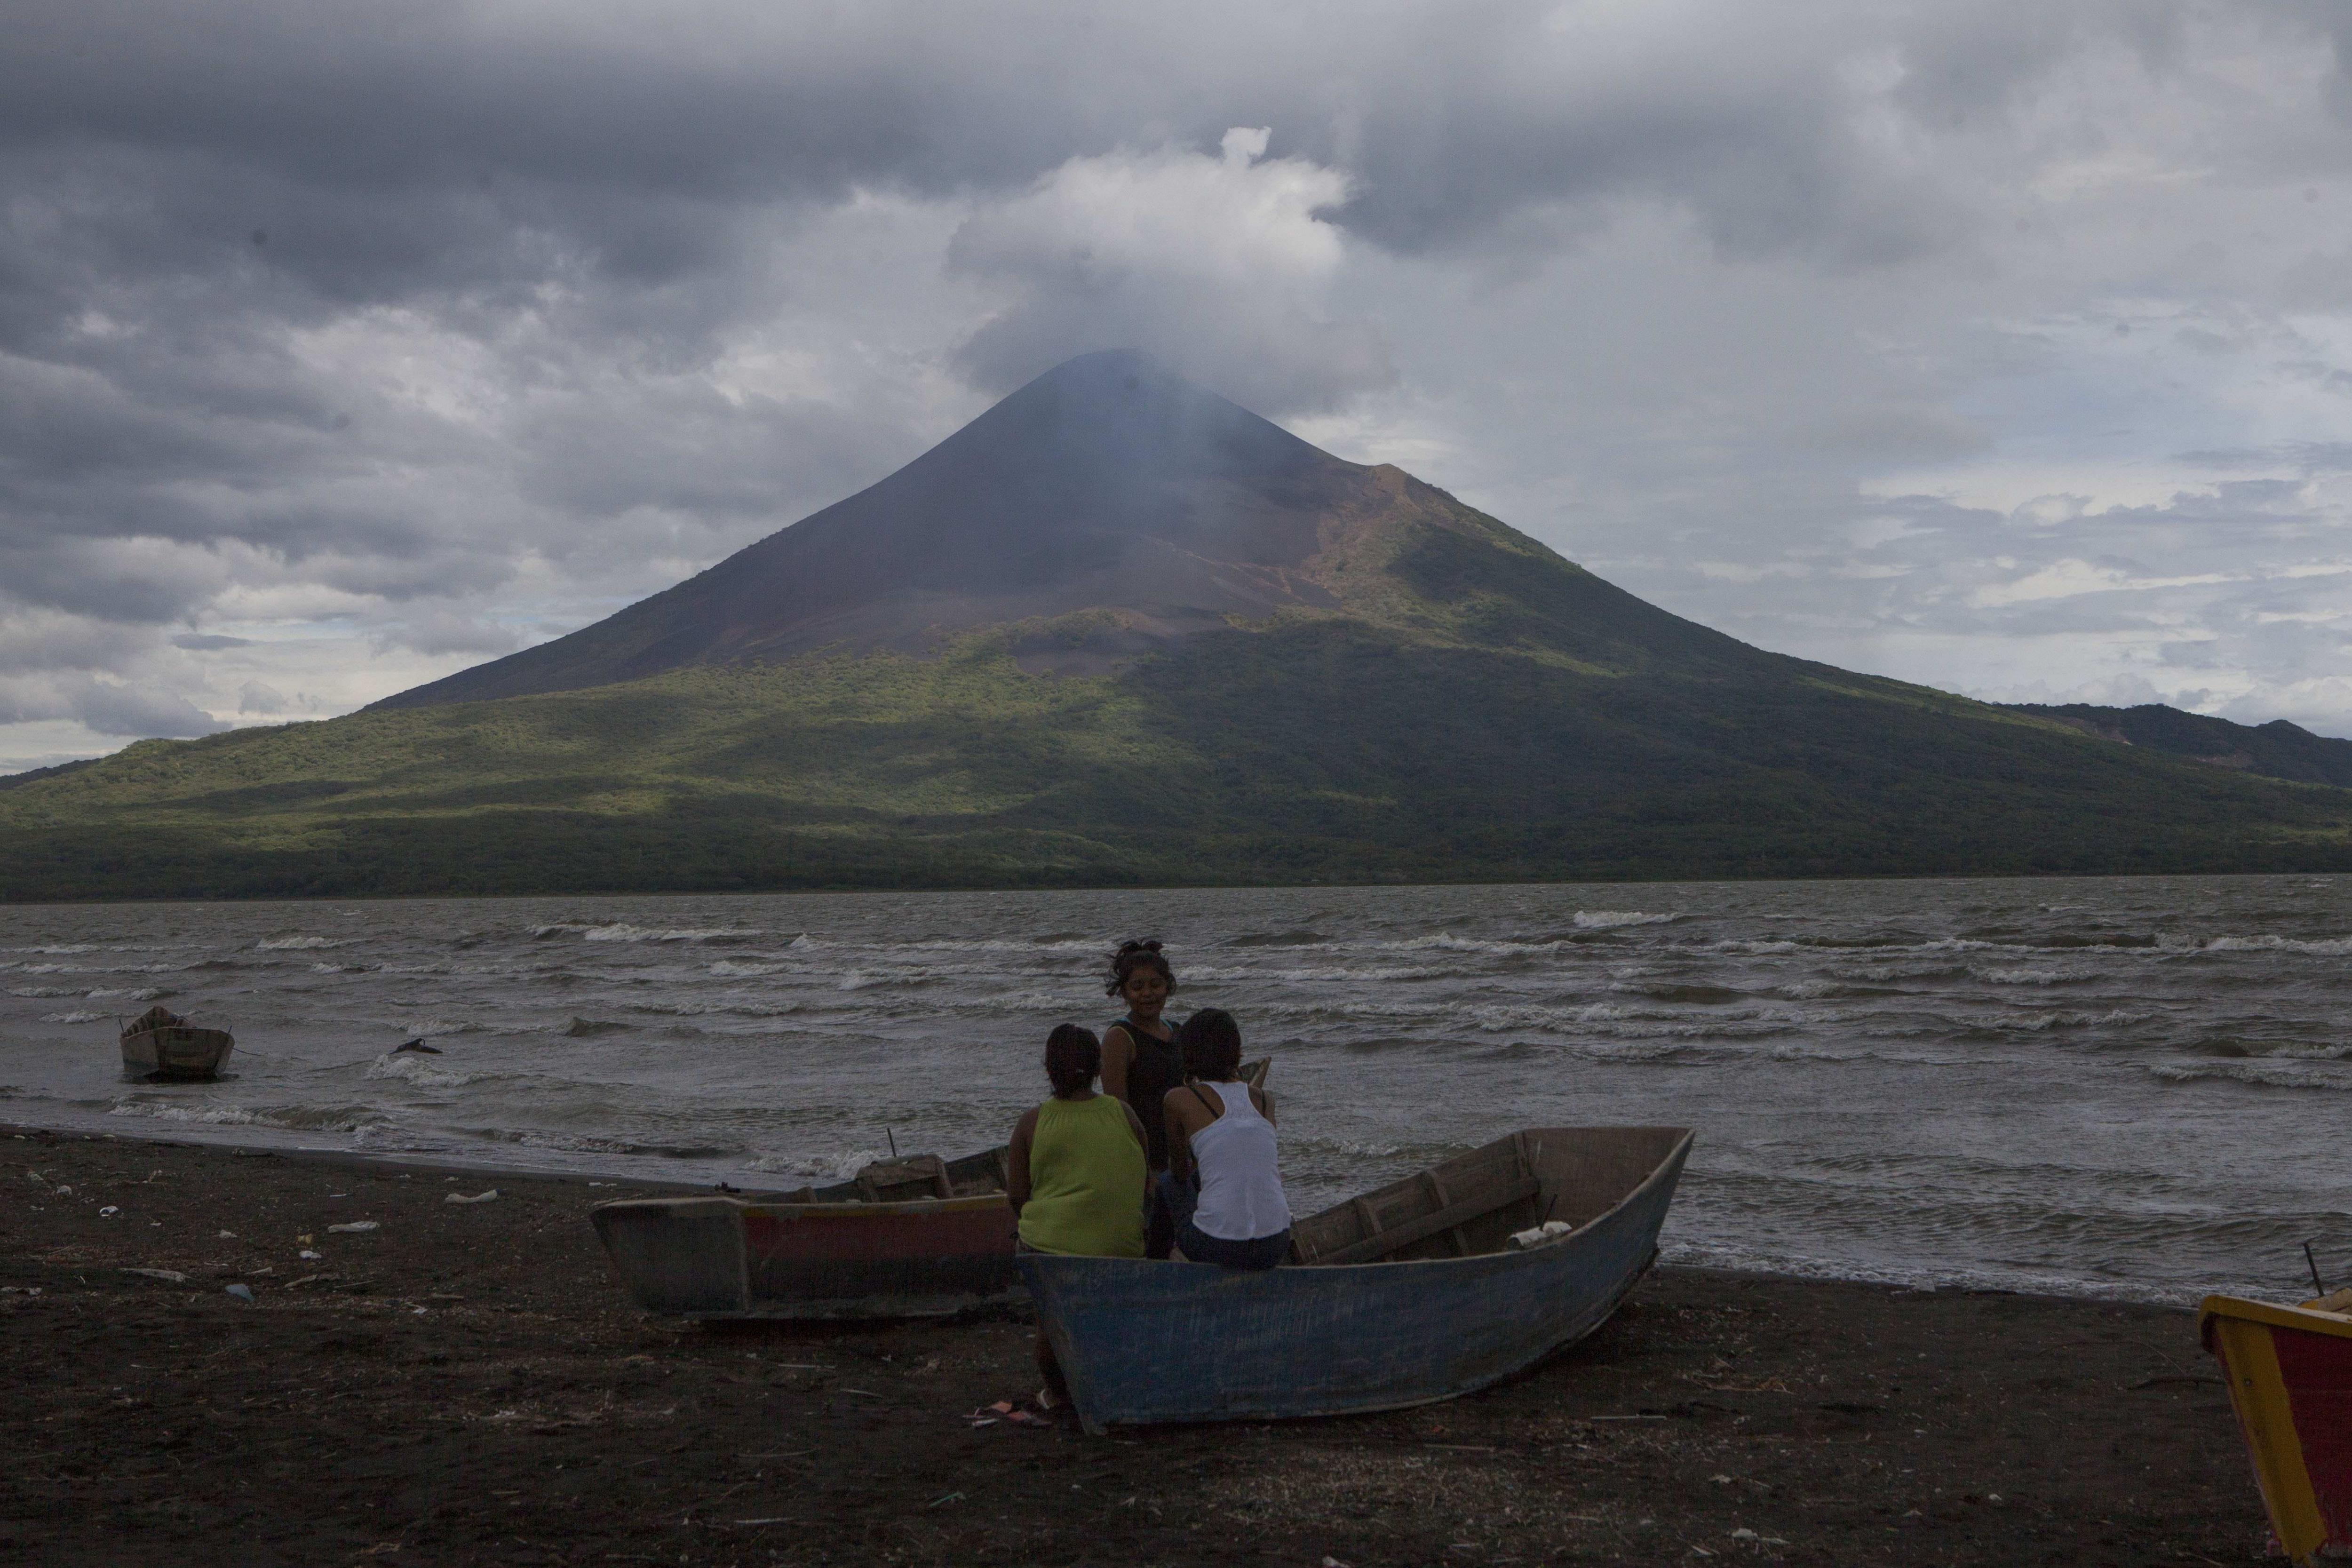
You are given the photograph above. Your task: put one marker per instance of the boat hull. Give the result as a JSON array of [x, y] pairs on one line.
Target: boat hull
[[2290, 1375], [717, 1258], [1142, 1342], [176, 1051]]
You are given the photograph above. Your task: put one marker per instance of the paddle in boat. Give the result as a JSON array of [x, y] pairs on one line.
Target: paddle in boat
[[914, 1238], [1425, 1290], [159, 1043], [2290, 1374]]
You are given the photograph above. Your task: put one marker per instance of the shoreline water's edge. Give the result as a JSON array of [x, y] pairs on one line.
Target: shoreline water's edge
[[396, 1164]]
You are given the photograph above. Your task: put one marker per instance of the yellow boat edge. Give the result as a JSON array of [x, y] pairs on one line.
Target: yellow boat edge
[[2238, 1331]]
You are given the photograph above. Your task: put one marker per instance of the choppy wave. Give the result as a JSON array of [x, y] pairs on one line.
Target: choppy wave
[[299, 943], [2036, 976], [741, 969], [2322, 947], [816, 1169], [74, 1018], [621, 931], [1611, 919], [424, 1072], [2264, 1073], [286, 1117]]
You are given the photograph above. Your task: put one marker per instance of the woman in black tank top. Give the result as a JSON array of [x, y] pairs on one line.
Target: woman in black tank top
[[1140, 1063]]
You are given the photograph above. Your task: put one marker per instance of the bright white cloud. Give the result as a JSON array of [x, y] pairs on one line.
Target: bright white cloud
[[1218, 264]]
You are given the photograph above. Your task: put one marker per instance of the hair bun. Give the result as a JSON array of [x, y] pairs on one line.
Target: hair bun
[[1137, 953]]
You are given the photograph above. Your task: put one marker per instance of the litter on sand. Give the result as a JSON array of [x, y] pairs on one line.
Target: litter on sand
[[169, 1275], [462, 1198], [1011, 1414], [356, 1227], [242, 1293]]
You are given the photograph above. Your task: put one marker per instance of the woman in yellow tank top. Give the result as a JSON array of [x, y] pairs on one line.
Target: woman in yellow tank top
[[1074, 1171]]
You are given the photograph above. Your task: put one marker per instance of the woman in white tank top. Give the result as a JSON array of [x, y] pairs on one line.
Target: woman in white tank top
[[1221, 1127]]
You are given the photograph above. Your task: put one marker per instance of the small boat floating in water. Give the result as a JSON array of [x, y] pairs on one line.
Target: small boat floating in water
[[913, 1237], [160, 1043], [1422, 1290], [2290, 1374]]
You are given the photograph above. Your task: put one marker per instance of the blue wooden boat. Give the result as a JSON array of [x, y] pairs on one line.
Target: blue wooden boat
[[1423, 1290]]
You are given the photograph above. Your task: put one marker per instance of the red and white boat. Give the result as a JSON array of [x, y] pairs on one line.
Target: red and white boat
[[918, 1237]]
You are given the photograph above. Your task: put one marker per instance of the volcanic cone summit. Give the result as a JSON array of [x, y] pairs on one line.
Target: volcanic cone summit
[[1107, 483]]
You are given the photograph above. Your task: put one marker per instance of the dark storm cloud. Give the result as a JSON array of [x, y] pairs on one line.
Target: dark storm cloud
[[372, 142], [365, 315]]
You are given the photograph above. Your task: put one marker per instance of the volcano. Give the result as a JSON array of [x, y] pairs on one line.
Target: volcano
[[1108, 486], [1120, 631]]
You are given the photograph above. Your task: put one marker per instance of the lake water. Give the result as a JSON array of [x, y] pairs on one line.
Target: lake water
[[2136, 1087]]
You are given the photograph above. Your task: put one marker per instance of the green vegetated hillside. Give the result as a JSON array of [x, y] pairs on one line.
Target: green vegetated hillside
[[2276, 750], [1452, 739]]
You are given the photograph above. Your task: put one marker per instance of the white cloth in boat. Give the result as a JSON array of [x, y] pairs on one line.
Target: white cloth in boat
[[1240, 1190]]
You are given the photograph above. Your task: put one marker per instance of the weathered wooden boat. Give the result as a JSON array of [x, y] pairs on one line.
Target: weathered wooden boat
[[159, 1043], [904, 1238], [2290, 1374], [914, 1238], [1423, 1290]]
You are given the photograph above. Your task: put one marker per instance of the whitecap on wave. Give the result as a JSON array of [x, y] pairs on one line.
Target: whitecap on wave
[[2034, 976], [421, 1070], [2325, 947], [74, 1018], [2266, 1073], [815, 1168], [1609, 920], [735, 969], [1447, 941], [298, 943], [287, 1118], [621, 931]]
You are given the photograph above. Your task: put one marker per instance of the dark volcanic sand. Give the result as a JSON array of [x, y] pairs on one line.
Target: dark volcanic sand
[[531, 1414]]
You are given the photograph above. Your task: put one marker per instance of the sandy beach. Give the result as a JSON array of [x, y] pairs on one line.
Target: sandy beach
[[464, 1384]]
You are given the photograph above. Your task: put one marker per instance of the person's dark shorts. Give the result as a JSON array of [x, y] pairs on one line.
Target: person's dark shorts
[[1262, 1252]]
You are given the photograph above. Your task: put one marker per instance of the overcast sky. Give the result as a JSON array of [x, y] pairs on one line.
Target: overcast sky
[[2001, 346]]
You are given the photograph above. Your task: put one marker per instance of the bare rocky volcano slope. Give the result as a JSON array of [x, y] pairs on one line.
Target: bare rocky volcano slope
[[1107, 489]]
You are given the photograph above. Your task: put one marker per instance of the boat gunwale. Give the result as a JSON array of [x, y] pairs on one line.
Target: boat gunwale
[[849, 1209], [2270, 1314], [1673, 1158]]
